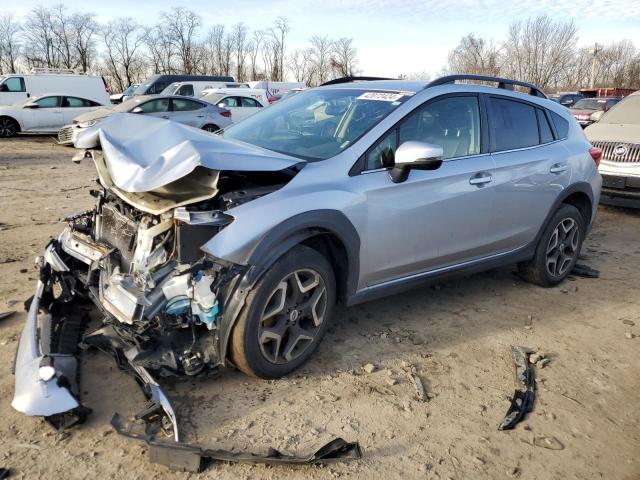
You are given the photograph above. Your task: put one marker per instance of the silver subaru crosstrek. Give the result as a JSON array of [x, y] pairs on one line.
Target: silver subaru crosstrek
[[207, 250]]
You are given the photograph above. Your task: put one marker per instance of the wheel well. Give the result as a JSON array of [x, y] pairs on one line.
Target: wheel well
[[14, 121], [210, 125], [332, 248], [581, 201]]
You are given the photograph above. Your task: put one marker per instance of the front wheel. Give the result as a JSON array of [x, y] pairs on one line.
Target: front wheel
[[285, 315], [211, 128], [558, 248]]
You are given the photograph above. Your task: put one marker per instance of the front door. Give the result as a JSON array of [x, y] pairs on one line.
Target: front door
[[434, 219], [43, 115]]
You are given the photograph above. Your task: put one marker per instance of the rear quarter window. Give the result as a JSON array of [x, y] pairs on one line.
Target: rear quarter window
[[513, 124], [561, 124]]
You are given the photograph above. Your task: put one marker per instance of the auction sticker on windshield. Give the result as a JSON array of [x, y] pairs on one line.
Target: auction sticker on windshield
[[383, 96]]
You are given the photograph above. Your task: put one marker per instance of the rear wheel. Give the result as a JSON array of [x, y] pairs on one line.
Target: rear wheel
[[8, 127], [211, 128], [285, 316], [558, 248]]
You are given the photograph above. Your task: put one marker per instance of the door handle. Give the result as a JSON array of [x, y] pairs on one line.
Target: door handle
[[200, 116], [558, 168], [165, 116], [480, 179]]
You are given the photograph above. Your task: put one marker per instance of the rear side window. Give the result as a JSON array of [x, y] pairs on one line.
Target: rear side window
[[13, 84], [230, 102], [75, 102], [180, 105], [513, 124], [48, 102], [561, 124], [546, 135], [249, 102]]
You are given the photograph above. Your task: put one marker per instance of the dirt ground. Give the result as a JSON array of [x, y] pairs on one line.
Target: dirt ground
[[457, 335]]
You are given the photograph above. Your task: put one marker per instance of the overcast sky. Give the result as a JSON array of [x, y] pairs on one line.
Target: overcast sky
[[392, 36]]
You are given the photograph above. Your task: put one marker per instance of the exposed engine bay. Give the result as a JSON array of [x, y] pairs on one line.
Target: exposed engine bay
[[129, 278]]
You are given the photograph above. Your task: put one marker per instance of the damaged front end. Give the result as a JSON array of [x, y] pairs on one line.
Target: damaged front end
[[133, 270]]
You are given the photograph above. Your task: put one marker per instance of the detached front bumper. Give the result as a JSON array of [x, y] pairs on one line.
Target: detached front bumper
[[45, 382]]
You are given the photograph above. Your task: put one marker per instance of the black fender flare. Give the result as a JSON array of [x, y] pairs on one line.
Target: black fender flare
[[578, 187], [278, 241]]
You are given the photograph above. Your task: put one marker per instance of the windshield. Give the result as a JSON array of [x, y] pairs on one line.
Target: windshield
[[170, 89], [590, 104], [626, 111], [319, 123], [213, 98], [130, 89]]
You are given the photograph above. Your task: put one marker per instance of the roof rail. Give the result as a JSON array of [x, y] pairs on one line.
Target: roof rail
[[504, 83], [353, 79], [58, 71]]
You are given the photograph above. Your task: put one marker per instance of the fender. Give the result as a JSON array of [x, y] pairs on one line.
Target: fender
[[280, 239]]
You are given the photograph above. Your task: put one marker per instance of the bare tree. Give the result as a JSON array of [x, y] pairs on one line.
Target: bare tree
[[278, 33], [9, 43], [182, 27], [615, 64], [63, 37], [474, 55], [161, 50], [239, 46], [40, 49], [344, 58], [301, 65], [253, 50], [84, 29], [123, 40], [537, 50], [321, 48]]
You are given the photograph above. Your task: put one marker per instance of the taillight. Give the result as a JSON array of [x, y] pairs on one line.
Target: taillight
[[226, 113], [596, 154]]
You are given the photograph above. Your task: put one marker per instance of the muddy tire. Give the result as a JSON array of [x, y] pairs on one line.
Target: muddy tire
[[558, 248], [8, 127], [285, 316]]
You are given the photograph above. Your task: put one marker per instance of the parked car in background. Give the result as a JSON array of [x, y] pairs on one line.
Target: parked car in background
[[117, 97], [189, 111], [242, 102], [618, 135], [584, 108], [197, 88], [276, 90], [155, 84], [42, 114], [566, 99], [15, 88]]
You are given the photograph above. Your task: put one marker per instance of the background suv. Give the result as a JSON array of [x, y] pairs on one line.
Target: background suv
[[208, 249]]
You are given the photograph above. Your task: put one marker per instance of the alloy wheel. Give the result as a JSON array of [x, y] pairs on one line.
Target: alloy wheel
[[7, 127], [293, 316], [562, 247]]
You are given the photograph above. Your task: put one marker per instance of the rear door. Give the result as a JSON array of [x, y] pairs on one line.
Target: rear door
[[530, 170], [187, 111], [74, 106], [46, 117], [248, 106]]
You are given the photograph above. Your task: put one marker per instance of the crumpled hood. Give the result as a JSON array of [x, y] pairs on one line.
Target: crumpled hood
[[613, 132], [94, 115], [145, 153]]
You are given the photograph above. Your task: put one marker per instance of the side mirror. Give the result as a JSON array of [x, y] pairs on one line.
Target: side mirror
[[566, 103], [4, 88], [222, 105], [32, 105], [137, 110], [415, 155]]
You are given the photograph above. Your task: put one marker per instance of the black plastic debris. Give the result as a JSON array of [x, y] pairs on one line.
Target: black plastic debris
[[6, 315], [523, 399], [193, 458], [4, 473], [585, 271]]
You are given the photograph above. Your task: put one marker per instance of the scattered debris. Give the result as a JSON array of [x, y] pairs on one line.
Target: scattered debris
[[4, 473], [585, 271], [421, 395], [551, 443], [523, 399], [186, 457], [631, 323], [629, 335], [6, 315], [513, 472], [369, 368]]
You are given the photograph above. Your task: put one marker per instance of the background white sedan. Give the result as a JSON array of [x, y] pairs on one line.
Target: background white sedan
[[43, 114]]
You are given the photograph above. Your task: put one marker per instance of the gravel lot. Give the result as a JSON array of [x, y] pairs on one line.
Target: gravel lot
[[457, 335]]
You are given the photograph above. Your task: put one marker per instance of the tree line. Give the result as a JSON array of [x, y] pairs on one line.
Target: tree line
[[544, 52], [125, 51]]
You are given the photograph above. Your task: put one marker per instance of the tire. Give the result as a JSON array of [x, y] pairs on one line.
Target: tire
[[285, 315], [558, 248], [8, 127], [211, 128]]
